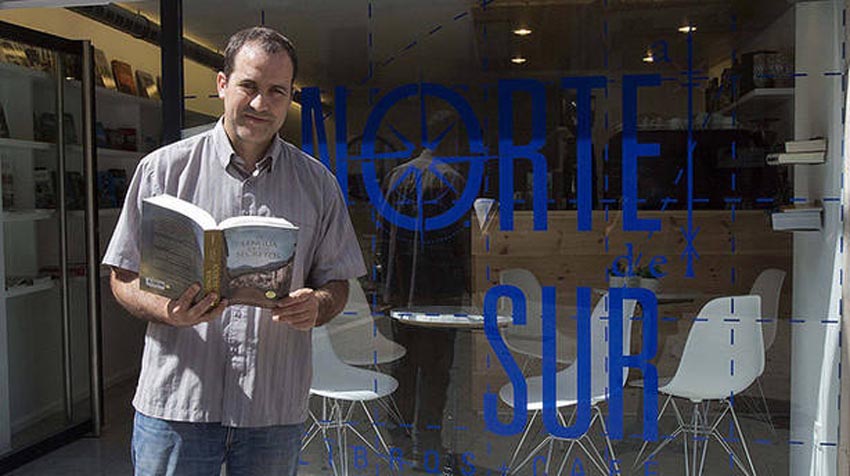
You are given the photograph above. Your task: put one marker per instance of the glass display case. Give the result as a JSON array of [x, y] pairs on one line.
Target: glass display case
[[48, 304]]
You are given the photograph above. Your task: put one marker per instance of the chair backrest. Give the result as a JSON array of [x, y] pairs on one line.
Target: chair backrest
[[324, 357], [724, 352], [356, 311], [768, 286], [524, 280], [599, 321]]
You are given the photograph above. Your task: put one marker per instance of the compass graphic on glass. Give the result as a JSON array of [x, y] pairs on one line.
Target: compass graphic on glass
[[417, 179]]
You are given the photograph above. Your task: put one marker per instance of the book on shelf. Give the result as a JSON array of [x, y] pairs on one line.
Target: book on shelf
[[103, 70], [812, 145], [146, 85], [791, 158], [124, 77], [802, 218], [7, 180], [4, 126], [45, 189], [245, 259], [23, 282]]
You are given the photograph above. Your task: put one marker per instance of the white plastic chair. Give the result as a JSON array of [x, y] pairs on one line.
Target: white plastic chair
[[355, 337], [768, 286], [723, 355], [525, 339], [337, 382], [566, 389]]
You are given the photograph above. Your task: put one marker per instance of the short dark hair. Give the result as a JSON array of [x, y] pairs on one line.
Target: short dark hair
[[270, 40]]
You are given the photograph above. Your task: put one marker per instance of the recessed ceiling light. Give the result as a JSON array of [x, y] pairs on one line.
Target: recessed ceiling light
[[522, 31], [518, 60], [687, 29]]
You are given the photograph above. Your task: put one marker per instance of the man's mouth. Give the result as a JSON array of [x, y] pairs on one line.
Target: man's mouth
[[254, 118]]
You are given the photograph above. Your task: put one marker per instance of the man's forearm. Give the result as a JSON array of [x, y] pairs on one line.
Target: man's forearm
[[144, 305], [332, 298]]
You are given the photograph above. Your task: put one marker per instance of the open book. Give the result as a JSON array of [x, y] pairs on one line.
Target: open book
[[246, 259]]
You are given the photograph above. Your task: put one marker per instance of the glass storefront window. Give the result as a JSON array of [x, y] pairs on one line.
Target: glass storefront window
[[611, 167]]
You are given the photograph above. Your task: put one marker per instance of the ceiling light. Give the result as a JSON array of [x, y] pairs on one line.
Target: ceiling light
[[522, 32], [518, 60], [687, 29], [649, 58]]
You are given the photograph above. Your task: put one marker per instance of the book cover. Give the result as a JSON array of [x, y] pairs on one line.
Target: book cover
[[124, 77], [818, 157], [807, 218], [813, 145], [146, 85], [45, 189], [4, 126], [246, 259], [103, 70]]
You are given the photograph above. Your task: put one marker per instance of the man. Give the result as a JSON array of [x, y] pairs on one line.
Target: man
[[230, 384], [425, 268]]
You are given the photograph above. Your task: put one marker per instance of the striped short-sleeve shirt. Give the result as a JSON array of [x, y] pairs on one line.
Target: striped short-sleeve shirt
[[242, 369]]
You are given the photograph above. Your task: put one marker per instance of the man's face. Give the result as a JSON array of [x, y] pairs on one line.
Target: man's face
[[256, 95]]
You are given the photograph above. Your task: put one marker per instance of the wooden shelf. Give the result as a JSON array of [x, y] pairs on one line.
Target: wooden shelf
[[103, 212], [27, 215], [24, 144], [24, 290], [759, 103]]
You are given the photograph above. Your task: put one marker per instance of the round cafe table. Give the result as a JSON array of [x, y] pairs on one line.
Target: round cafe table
[[461, 318], [445, 317]]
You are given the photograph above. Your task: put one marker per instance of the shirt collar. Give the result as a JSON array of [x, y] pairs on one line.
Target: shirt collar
[[226, 154]]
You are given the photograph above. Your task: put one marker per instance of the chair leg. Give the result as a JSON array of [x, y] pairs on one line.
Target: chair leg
[[766, 408], [614, 461], [743, 439], [645, 442], [522, 439]]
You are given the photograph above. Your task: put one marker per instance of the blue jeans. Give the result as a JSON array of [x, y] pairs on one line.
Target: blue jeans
[[172, 448]]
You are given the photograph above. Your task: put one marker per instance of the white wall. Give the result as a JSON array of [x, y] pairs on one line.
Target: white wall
[[814, 381]]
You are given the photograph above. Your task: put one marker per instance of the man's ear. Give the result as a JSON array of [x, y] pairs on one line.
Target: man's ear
[[220, 83]]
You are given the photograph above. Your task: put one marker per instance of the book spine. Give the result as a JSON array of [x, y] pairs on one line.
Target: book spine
[[213, 261]]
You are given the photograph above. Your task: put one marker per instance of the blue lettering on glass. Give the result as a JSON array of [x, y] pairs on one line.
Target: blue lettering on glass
[[537, 460], [396, 461], [509, 151], [550, 410], [578, 468], [360, 460], [468, 468], [311, 113], [584, 178], [431, 462], [476, 164], [627, 264], [491, 330], [632, 150], [617, 361], [659, 51], [649, 468]]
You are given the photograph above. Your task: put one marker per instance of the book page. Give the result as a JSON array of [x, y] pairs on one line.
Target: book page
[[259, 261], [172, 251]]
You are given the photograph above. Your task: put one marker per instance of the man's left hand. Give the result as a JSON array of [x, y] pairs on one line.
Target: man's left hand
[[300, 309]]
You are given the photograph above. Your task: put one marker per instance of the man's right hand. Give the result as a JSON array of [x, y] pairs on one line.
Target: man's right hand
[[155, 308], [181, 312]]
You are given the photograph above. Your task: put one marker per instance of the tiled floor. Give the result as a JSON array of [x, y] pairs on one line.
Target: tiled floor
[[109, 455]]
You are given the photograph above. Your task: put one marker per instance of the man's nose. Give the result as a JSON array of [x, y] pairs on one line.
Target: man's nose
[[259, 102]]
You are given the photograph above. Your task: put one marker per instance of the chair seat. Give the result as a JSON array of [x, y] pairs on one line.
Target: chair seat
[[351, 349], [565, 392], [351, 384], [533, 347]]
